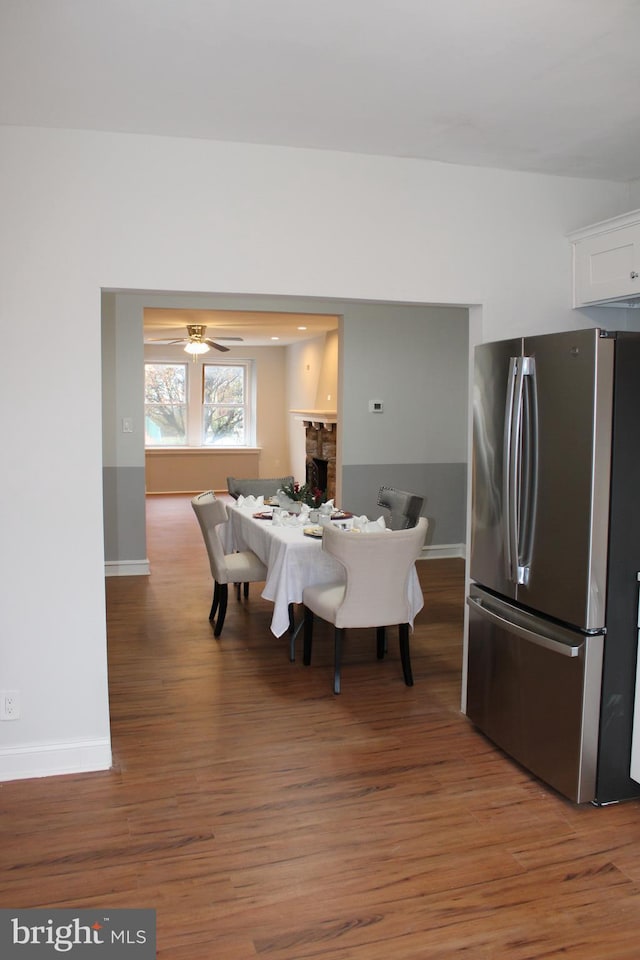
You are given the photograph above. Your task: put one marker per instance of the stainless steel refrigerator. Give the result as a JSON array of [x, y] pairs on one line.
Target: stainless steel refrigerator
[[555, 553]]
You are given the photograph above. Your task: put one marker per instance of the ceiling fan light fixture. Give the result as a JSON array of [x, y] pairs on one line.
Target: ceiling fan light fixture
[[197, 346]]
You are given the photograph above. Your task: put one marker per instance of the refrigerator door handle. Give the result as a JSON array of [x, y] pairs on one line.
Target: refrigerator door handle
[[528, 470], [509, 457], [519, 468], [564, 649], [515, 470]]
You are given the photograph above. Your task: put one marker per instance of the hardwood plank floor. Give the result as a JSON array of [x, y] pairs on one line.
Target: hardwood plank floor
[[263, 817]]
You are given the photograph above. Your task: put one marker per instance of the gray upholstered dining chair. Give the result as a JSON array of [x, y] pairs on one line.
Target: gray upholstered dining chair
[[243, 567], [404, 508], [373, 593], [256, 487]]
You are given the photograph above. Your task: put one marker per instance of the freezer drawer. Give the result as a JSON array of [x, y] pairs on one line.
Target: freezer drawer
[[534, 689]]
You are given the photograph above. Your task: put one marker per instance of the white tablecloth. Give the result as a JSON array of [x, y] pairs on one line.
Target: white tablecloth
[[293, 562]]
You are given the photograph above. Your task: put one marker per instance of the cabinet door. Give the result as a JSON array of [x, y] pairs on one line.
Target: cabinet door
[[607, 266]]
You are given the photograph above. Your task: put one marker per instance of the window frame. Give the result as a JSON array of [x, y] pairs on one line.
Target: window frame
[[195, 403]]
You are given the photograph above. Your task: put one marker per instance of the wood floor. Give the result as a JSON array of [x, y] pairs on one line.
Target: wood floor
[[262, 816]]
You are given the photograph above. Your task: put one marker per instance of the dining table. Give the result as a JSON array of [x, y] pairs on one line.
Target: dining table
[[294, 560]]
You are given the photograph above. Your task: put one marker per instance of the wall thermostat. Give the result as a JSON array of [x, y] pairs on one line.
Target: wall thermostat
[[376, 406]]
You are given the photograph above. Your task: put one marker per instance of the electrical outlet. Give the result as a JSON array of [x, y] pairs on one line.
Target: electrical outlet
[[9, 704]]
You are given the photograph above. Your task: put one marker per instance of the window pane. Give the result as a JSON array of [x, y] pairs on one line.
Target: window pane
[[165, 404], [165, 424], [223, 384], [224, 426], [224, 416], [165, 382]]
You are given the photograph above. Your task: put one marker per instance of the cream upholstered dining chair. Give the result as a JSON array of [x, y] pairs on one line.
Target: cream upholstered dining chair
[[374, 592], [244, 567], [404, 508], [256, 487]]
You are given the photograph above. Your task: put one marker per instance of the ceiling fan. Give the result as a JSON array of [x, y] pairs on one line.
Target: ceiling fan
[[196, 342]]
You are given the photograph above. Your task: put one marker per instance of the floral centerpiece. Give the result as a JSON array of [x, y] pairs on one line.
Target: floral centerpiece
[[304, 493]]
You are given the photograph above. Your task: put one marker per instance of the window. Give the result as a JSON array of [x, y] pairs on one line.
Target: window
[[199, 405], [165, 404]]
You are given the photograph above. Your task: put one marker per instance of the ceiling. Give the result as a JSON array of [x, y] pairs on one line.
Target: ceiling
[[550, 86], [546, 86], [257, 328]]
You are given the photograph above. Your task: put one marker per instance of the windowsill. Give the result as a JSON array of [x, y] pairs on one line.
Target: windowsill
[[199, 451]]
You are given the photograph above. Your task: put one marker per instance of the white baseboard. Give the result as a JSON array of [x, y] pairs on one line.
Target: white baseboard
[[54, 759], [126, 568], [440, 550]]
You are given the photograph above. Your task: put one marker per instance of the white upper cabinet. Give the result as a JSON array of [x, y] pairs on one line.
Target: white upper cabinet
[[606, 262]]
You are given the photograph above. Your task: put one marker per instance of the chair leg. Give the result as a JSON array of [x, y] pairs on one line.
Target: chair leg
[[381, 645], [237, 586], [405, 657], [337, 657], [246, 590], [308, 636], [216, 599], [222, 612]]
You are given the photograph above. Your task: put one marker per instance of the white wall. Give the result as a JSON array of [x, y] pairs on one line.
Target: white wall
[[85, 211], [304, 368], [634, 195]]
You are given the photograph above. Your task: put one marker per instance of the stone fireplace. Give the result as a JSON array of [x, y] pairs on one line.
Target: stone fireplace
[[320, 430], [320, 467]]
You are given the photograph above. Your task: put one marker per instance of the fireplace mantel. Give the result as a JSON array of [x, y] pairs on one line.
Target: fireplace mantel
[[316, 418]]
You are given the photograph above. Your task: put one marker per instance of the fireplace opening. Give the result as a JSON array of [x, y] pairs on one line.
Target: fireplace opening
[[320, 453], [316, 473]]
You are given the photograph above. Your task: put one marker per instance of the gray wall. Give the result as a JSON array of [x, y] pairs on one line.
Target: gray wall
[[443, 485], [123, 466], [415, 360]]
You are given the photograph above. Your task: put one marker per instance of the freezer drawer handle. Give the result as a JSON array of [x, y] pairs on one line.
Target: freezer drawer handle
[[564, 649]]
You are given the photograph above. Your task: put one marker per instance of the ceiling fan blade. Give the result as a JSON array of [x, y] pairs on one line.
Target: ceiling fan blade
[[216, 346], [181, 340], [239, 339]]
